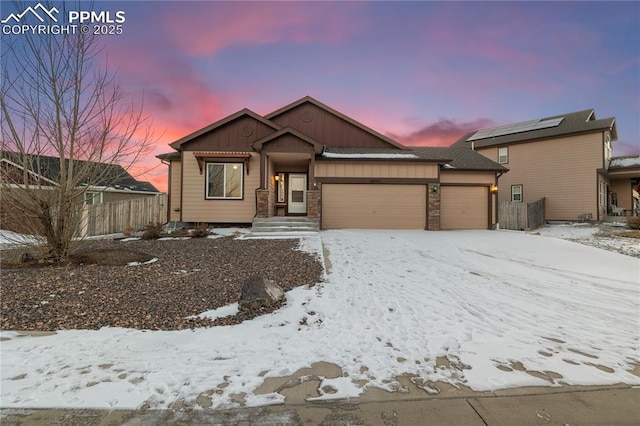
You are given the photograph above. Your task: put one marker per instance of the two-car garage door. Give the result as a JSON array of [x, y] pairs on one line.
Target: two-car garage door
[[386, 206], [374, 206]]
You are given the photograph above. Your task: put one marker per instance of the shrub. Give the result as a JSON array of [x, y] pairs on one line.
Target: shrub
[[128, 231], [152, 231], [200, 231], [633, 222]]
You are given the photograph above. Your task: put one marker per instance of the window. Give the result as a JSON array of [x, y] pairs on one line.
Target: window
[[92, 198], [603, 194], [280, 186], [224, 181], [516, 193], [503, 155], [607, 149]]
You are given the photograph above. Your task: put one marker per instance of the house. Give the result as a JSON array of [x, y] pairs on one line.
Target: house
[[564, 158], [624, 175], [109, 182], [105, 183], [308, 159]]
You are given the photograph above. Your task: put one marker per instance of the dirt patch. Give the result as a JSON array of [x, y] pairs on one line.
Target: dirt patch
[[629, 234], [190, 277], [104, 257]]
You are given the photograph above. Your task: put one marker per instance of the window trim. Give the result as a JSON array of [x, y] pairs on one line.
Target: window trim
[[225, 164], [515, 193], [506, 156], [96, 198]]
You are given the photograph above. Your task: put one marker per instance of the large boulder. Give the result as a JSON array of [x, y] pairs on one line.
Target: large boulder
[[259, 292]]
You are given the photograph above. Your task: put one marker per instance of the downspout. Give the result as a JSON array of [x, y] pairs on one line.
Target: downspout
[[496, 201]]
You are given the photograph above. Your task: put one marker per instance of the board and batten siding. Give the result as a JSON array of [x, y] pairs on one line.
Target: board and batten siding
[[563, 170], [327, 128], [236, 135], [175, 193], [375, 169], [195, 208]]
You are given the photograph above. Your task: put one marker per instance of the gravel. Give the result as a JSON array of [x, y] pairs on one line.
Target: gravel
[[190, 277]]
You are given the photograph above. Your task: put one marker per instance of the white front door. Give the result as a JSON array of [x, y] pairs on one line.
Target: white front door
[[297, 193]]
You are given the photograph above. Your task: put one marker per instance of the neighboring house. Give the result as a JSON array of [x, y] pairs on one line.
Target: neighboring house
[[111, 182], [104, 183], [624, 175], [308, 159], [564, 158]]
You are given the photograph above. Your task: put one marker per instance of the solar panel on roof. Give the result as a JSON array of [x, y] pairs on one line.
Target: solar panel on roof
[[545, 124], [509, 129]]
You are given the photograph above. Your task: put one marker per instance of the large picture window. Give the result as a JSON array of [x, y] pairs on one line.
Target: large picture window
[[224, 181]]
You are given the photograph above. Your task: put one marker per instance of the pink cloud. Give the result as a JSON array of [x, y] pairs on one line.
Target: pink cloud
[[175, 99], [175, 96], [222, 24], [443, 132], [625, 148]]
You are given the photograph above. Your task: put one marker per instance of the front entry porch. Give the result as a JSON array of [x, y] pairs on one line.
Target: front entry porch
[[289, 189], [287, 167]]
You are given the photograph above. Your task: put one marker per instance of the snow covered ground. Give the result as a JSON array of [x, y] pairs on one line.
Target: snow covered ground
[[483, 309], [600, 236]]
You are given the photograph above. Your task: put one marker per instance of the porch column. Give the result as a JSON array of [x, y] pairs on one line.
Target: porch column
[[314, 201], [312, 175], [262, 203]]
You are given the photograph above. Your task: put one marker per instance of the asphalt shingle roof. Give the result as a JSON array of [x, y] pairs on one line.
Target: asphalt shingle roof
[[110, 175], [461, 158], [572, 123]]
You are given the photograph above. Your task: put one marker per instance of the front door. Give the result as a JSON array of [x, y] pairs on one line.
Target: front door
[[297, 193]]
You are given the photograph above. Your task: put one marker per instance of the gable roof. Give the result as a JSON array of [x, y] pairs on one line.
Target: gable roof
[[317, 146], [309, 99], [572, 123], [113, 176], [245, 111]]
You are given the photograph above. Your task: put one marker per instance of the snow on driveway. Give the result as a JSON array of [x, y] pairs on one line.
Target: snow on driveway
[[483, 309]]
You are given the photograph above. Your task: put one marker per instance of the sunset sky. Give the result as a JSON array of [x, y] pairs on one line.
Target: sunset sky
[[423, 73]]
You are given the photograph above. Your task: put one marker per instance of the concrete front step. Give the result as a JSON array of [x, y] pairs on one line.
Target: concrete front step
[[282, 224], [285, 219], [284, 229]]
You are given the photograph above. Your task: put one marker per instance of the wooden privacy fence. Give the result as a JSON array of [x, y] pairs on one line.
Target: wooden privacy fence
[[116, 216], [521, 216]]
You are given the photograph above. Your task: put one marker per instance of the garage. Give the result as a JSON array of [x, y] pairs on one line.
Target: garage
[[370, 206], [464, 207]]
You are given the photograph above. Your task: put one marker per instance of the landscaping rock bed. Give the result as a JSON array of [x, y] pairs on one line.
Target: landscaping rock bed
[[189, 277]]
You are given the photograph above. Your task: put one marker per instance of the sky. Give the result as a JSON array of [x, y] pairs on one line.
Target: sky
[[496, 310], [423, 73]]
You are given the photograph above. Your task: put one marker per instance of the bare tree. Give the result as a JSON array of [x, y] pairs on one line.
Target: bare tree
[[63, 112]]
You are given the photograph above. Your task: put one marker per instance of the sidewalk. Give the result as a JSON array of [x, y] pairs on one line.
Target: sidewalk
[[613, 405]]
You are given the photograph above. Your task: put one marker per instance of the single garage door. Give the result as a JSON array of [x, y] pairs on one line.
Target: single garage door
[[374, 206], [464, 207]]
